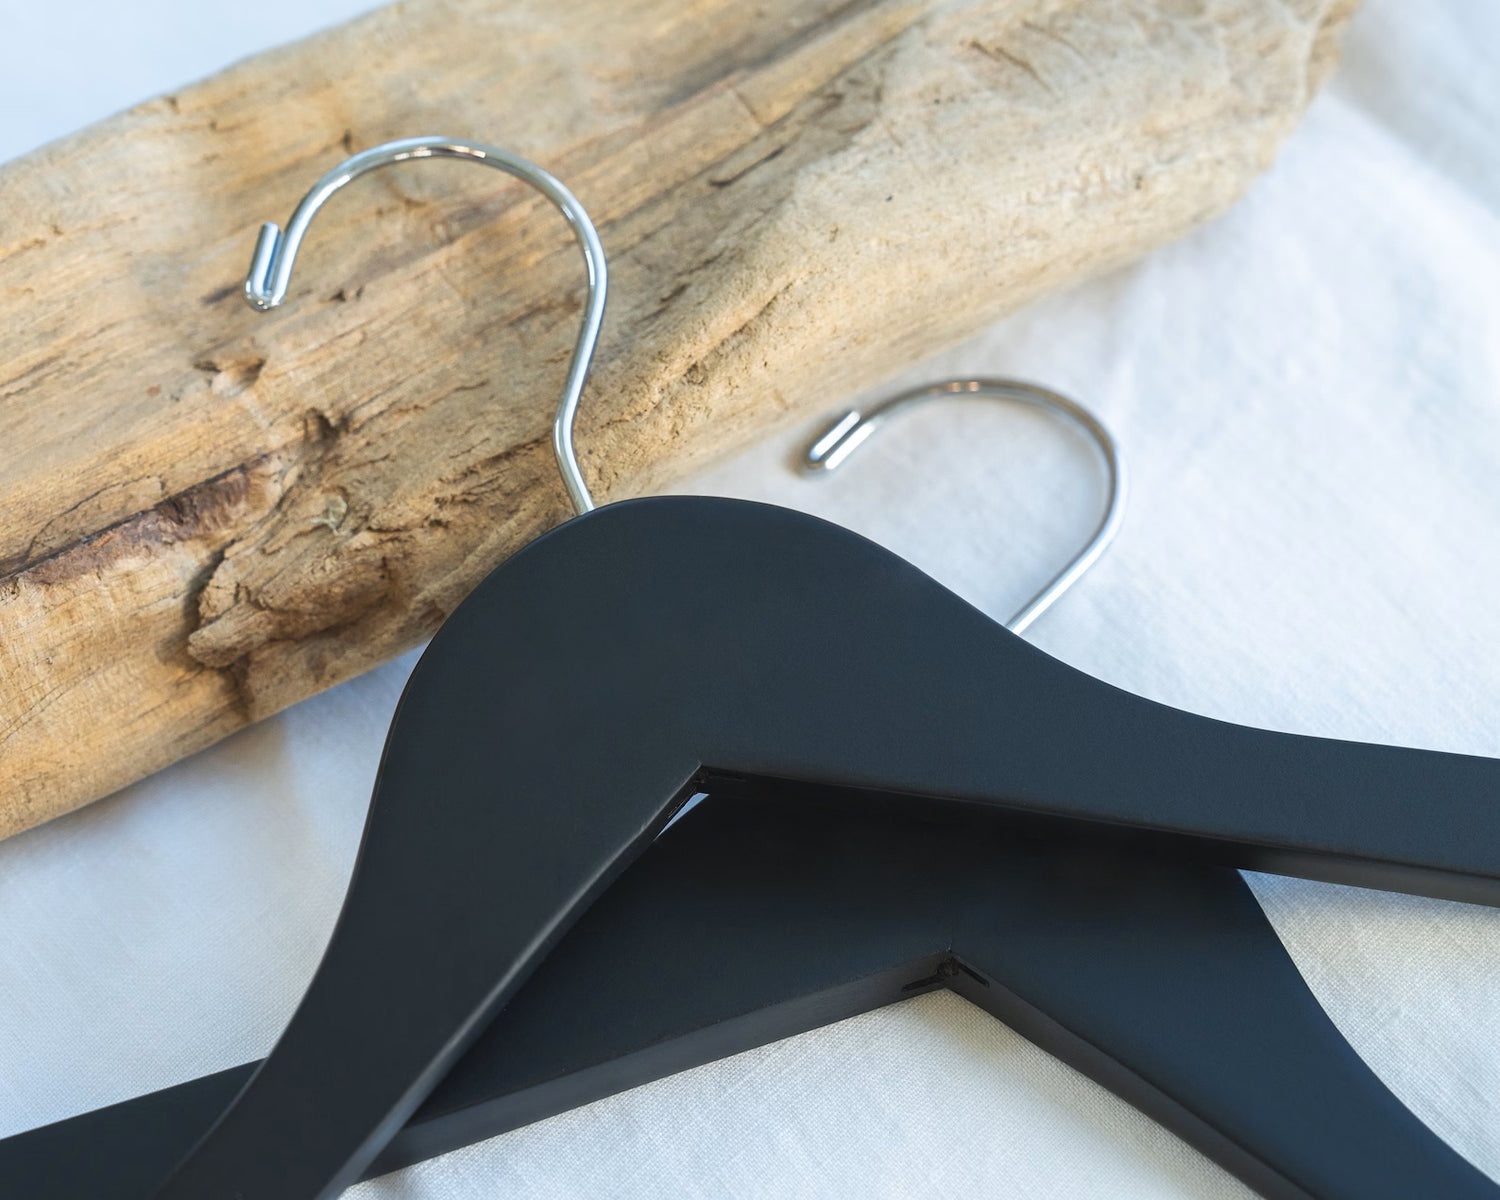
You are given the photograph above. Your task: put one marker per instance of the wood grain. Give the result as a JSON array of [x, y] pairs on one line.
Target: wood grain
[[211, 514]]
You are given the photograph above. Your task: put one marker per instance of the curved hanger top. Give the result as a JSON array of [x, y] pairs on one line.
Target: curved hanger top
[[850, 431], [270, 270]]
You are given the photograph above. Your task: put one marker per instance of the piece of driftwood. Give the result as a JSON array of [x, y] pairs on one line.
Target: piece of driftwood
[[210, 514]]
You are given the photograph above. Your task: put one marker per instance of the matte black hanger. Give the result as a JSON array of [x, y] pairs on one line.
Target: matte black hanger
[[659, 647], [768, 912]]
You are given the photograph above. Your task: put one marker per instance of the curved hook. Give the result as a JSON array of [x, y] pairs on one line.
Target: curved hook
[[854, 428], [271, 266]]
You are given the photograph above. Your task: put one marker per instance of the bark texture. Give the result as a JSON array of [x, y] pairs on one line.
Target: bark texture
[[211, 514]]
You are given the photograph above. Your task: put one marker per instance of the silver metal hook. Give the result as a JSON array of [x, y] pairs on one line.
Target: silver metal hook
[[271, 266], [854, 428]]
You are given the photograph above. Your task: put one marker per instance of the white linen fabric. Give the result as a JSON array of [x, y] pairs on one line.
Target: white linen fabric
[[1308, 392]]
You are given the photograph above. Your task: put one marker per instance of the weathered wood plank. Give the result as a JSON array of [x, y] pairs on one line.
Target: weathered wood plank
[[211, 514]]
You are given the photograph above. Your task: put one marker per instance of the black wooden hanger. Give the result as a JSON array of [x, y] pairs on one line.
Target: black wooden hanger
[[768, 912], [659, 647]]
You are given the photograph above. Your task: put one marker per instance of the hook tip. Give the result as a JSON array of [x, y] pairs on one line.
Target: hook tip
[[260, 293], [836, 443]]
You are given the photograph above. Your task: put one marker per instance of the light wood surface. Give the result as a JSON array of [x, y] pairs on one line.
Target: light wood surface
[[211, 514]]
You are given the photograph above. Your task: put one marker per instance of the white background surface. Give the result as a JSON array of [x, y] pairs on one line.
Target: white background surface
[[1309, 393]]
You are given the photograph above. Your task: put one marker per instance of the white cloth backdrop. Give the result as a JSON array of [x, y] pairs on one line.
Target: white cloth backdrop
[[1309, 394]]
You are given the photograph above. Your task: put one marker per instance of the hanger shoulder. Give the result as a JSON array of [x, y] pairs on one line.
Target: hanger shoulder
[[786, 647]]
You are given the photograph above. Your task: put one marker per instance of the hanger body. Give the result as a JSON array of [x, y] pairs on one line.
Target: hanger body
[[769, 911], [658, 647]]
